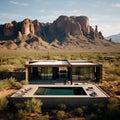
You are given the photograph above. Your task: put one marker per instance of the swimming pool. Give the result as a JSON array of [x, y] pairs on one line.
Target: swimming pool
[[71, 95], [60, 91]]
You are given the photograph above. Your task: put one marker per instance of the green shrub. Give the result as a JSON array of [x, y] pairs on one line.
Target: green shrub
[[21, 114], [18, 85], [53, 112], [113, 109], [62, 106], [12, 81], [60, 115], [91, 116], [33, 106], [4, 84], [24, 82], [3, 103], [78, 111], [8, 83]]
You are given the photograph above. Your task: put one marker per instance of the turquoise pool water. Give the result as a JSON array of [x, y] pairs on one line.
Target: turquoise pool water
[[60, 91]]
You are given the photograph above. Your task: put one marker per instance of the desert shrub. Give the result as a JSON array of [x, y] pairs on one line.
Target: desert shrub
[[78, 111], [18, 85], [3, 68], [33, 106], [53, 112], [114, 70], [24, 82], [8, 83], [60, 115], [21, 114], [3, 103], [19, 68], [113, 109], [3, 84], [113, 101], [91, 116], [12, 81], [62, 106], [112, 77]]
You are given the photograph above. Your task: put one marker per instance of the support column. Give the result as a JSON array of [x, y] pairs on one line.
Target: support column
[[28, 74], [98, 73], [70, 74]]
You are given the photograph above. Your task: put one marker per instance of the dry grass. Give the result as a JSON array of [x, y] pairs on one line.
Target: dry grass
[[13, 61]]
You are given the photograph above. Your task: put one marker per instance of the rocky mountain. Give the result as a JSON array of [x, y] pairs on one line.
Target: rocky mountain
[[115, 38], [65, 32]]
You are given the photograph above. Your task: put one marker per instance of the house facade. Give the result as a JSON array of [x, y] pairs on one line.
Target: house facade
[[67, 71]]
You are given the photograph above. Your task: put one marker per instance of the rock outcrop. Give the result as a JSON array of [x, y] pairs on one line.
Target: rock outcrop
[[37, 27], [59, 29], [84, 22], [27, 27], [66, 25], [8, 29]]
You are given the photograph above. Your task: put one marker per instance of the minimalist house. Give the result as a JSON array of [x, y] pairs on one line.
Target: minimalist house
[[65, 81], [67, 71]]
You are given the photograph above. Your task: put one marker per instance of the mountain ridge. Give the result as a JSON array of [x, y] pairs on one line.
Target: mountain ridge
[[115, 37], [74, 32]]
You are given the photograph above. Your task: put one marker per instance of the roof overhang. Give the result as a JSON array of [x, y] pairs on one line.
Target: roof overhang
[[49, 63], [61, 63]]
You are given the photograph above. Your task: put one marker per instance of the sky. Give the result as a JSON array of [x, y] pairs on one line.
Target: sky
[[104, 13]]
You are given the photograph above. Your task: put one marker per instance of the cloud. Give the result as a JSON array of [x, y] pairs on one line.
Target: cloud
[[48, 18], [19, 3], [8, 17], [116, 5], [40, 11]]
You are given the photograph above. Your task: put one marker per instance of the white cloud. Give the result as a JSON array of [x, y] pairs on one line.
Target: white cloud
[[41, 11], [19, 3], [67, 13], [48, 18], [108, 29], [7, 17], [116, 5]]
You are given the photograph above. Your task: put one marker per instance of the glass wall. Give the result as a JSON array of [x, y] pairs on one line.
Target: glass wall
[[83, 73], [45, 73]]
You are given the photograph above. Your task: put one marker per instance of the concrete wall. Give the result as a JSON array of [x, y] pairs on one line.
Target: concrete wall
[[71, 102]]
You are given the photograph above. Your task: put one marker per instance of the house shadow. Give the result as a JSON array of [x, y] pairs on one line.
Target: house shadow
[[17, 75]]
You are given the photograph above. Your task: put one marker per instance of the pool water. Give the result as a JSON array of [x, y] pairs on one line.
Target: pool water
[[60, 91]]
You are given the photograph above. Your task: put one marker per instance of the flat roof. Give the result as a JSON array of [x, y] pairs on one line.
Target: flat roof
[[80, 64], [50, 63], [61, 63]]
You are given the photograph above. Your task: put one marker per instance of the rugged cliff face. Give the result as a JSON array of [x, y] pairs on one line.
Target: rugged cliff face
[[61, 27], [63, 32]]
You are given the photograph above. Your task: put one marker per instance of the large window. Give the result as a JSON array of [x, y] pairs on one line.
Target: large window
[[45, 73], [83, 73]]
